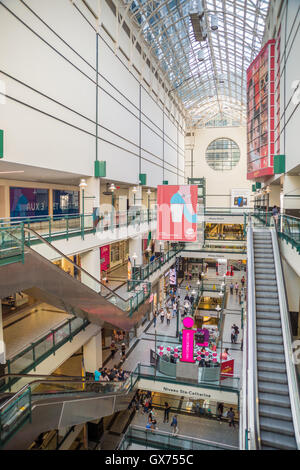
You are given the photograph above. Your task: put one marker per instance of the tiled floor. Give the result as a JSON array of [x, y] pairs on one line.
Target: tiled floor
[[22, 333], [193, 426]]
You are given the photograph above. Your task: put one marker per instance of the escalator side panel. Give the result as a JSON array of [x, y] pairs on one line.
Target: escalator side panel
[[61, 289]]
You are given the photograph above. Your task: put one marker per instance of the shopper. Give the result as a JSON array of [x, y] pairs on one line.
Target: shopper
[[230, 416], [220, 410], [168, 317], [113, 349], [174, 310], [225, 354], [162, 315], [174, 424], [231, 288], [166, 412], [275, 213], [243, 280], [236, 288], [236, 331], [232, 335]]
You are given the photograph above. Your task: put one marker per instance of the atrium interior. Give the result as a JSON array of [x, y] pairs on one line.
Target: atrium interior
[[149, 225]]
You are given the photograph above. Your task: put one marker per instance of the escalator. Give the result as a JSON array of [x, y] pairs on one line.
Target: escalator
[[49, 402], [43, 280], [273, 395]]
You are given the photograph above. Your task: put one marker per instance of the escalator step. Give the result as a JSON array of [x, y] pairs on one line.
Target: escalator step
[[276, 412], [274, 358], [272, 316], [277, 425], [274, 399], [269, 302], [277, 440], [274, 388], [268, 366], [266, 330], [271, 376], [268, 339], [268, 323], [270, 348]]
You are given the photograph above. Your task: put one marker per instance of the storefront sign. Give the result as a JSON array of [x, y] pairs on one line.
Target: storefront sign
[[28, 202], [104, 254], [188, 340], [65, 202], [193, 392], [177, 212]]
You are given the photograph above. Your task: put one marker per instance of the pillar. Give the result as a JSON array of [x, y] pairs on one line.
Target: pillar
[[90, 261], [291, 195], [92, 353], [135, 246]]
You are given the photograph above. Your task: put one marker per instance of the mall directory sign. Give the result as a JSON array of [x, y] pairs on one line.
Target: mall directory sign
[[177, 212], [261, 113]]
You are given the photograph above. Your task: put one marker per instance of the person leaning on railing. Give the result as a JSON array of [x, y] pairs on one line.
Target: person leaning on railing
[[275, 213]]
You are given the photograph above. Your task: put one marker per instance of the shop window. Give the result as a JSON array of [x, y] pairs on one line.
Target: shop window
[[222, 154]]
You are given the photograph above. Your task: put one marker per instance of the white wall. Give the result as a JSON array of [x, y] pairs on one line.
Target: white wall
[[50, 78], [218, 183]]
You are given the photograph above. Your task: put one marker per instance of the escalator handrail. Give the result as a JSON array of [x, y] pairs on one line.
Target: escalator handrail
[[61, 254], [58, 379], [287, 337], [252, 380]]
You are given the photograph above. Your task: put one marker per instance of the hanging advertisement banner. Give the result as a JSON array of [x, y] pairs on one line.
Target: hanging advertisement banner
[[177, 212], [104, 254], [261, 113], [188, 334]]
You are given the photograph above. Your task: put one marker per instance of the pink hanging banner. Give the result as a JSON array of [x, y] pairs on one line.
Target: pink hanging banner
[[187, 346]]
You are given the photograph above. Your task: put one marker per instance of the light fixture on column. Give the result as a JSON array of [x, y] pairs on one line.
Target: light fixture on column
[[134, 189], [198, 282], [112, 187], [134, 257], [200, 55], [214, 22], [82, 184], [218, 308]]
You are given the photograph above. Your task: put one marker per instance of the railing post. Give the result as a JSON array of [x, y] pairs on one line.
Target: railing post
[[50, 228], [67, 226], [70, 330], [33, 357], [22, 240]]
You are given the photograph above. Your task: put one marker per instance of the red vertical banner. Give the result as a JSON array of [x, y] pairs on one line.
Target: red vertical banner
[[177, 212], [227, 369], [104, 255], [261, 112]]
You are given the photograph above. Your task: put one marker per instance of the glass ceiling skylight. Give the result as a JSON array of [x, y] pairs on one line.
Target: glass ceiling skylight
[[218, 83]]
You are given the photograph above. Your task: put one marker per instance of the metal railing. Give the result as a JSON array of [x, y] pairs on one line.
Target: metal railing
[[287, 339], [156, 439], [145, 271], [252, 380], [27, 359], [17, 409], [11, 244], [55, 227]]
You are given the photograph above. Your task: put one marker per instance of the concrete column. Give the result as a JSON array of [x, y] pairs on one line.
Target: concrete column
[[135, 246], [91, 195], [291, 193], [92, 353], [135, 200], [90, 261]]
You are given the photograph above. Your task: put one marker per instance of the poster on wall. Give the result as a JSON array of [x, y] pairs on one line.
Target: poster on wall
[[261, 113], [240, 198], [173, 277], [177, 212], [104, 254], [65, 202], [29, 202]]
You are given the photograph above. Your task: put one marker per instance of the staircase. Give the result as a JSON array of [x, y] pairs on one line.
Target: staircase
[[274, 407]]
